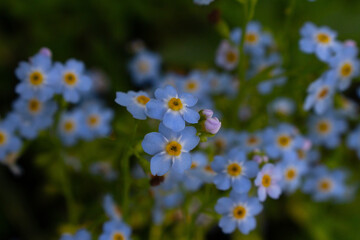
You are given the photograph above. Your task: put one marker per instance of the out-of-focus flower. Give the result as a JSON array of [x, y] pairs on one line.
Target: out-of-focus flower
[[104, 169], [320, 94], [36, 78], [9, 142], [111, 209], [81, 234], [268, 182], [326, 129], [71, 127], [324, 184], [97, 121], [115, 230], [227, 56], [144, 68], [234, 170], [318, 40], [203, 2], [71, 80], [239, 212]]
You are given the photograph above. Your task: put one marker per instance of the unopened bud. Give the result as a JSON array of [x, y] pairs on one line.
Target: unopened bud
[[212, 125]]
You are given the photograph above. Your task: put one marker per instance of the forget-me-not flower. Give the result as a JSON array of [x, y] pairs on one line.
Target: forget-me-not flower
[[234, 170], [172, 108], [170, 149], [239, 212]]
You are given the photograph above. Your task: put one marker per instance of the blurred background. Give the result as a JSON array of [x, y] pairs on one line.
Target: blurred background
[[100, 34]]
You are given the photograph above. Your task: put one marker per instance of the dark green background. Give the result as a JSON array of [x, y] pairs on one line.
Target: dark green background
[[99, 33]]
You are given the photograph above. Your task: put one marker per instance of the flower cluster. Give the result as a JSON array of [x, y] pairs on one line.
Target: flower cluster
[[44, 88]]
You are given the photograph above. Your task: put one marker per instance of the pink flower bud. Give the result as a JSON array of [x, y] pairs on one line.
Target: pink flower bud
[[207, 112], [350, 43], [307, 145], [45, 51], [257, 159], [212, 125]]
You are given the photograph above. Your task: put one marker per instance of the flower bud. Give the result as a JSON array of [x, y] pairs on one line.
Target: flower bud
[[212, 125], [208, 113], [45, 51]]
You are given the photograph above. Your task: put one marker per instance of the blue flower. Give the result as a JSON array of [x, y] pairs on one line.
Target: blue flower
[[97, 121], [238, 211], [353, 140], [170, 149], [320, 94], [9, 142], [321, 41], [251, 141], [220, 83], [203, 2], [256, 41], [36, 78], [344, 66], [224, 140], [103, 169], [71, 80], [234, 171], [135, 102], [71, 127], [324, 184], [145, 67], [194, 177], [227, 56], [326, 129], [34, 115], [172, 109], [268, 182], [81, 234], [111, 209], [115, 230], [282, 141], [292, 171], [282, 106], [195, 83]]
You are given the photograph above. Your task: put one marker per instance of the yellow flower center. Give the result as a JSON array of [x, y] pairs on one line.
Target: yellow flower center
[[36, 78], [239, 212], [142, 99], [3, 138], [143, 66], [266, 180], [118, 236], [252, 140], [70, 78], [325, 185], [346, 70], [220, 144], [34, 105], [323, 127], [284, 141], [93, 120], [173, 148], [301, 154], [251, 38], [191, 86], [69, 126], [231, 57], [193, 165], [290, 174], [175, 104], [323, 93], [234, 169], [323, 38], [208, 168]]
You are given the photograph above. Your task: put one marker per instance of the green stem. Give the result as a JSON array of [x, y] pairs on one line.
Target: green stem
[[70, 200], [125, 170]]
